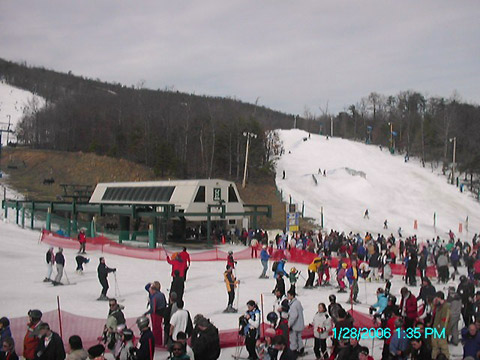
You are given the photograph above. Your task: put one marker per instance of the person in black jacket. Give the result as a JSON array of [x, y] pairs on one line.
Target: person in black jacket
[[279, 285], [466, 290], [205, 340], [50, 346], [103, 271], [146, 351], [426, 290], [60, 261], [178, 285], [282, 350], [50, 259], [8, 350]]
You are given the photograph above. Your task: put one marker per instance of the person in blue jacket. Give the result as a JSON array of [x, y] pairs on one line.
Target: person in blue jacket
[[399, 343], [471, 341], [264, 256], [381, 304], [281, 268], [454, 258], [4, 329]]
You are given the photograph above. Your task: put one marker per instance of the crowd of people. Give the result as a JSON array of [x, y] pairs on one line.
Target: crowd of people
[[454, 314]]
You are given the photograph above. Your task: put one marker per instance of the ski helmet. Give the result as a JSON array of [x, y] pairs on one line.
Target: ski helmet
[[393, 299], [35, 314], [344, 265], [332, 298], [272, 317], [463, 278], [293, 269], [142, 322], [128, 334], [230, 252]]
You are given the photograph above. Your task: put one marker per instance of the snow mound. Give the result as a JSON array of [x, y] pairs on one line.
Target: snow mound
[[14, 104], [359, 177]]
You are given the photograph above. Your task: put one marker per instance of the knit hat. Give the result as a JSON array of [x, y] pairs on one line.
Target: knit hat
[[96, 351]]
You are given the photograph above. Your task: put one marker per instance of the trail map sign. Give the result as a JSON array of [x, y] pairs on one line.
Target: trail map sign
[[292, 218]]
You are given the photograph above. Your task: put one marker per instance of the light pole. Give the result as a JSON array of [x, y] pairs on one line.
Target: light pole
[[248, 135], [8, 129], [331, 126], [454, 139]]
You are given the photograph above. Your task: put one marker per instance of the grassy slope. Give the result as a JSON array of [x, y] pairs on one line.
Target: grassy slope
[[33, 166]]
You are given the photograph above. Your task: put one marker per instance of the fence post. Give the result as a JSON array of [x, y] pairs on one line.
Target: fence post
[[32, 220], [23, 216], [303, 209], [49, 219], [321, 216], [17, 212], [151, 236]]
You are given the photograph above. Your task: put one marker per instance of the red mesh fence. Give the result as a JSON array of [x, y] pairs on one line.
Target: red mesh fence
[[111, 247], [89, 329]]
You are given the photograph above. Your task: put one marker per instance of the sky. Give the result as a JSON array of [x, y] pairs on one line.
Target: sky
[[291, 55]]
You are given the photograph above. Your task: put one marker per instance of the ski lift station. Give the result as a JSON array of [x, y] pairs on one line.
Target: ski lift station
[[176, 210]]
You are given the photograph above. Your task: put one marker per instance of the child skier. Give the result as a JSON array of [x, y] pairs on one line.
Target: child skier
[[293, 277], [340, 278]]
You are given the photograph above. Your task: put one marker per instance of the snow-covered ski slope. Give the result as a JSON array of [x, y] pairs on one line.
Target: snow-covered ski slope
[[13, 104], [360, 177]]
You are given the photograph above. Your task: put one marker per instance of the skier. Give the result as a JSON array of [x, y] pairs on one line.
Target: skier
[[231, 283], [82, 239], [147, 340], [293, 277], [385, 224], [264, 256], [31, 339], [312, 270], [8, 350], [127, 344], [250, 328], [80, 261], [365, 214], [60, 261], [158, 304], [180, 322], [50, 258], [381, 303], [103, 271]]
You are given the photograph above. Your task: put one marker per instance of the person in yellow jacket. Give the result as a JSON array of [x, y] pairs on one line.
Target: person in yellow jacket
[[231, 283], [312, 270]]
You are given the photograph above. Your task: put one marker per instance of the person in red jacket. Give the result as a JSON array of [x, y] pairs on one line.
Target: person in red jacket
[[177, 264], [31, 340], [408, 307], [185, 256], [82, 239], [230, 261]]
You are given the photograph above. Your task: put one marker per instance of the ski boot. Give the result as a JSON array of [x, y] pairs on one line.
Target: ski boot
[[46, 280], [103, 298]]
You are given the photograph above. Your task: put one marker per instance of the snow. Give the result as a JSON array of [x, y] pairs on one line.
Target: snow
[[13, 105], [391, 189]]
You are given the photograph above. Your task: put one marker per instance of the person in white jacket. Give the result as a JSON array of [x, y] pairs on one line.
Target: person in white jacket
[[296, 323], [322, 325]]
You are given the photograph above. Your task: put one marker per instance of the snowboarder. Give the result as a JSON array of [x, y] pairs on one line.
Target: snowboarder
[[82, 240], [103, 270], [80, 261], [231, 284], [50, 258], [60, 261]]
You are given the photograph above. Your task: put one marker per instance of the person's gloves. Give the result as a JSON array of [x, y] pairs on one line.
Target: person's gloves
[[114, 269]]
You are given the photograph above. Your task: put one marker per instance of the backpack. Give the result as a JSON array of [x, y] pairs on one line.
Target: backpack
[[189, 328], [275, 266]]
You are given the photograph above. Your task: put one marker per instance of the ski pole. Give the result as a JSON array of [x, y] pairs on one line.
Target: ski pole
[[66, 276]]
